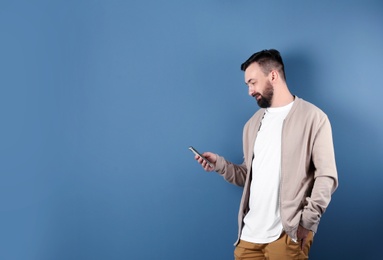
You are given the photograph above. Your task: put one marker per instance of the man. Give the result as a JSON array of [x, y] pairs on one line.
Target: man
[[289, 171]]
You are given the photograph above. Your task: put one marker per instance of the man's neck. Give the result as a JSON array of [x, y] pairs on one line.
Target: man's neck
[[282, 100], [282, 95]]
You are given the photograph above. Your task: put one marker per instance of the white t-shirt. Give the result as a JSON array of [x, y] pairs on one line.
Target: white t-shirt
[[262, 224]]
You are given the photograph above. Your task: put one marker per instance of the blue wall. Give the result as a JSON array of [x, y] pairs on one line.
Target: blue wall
[[99, 101]]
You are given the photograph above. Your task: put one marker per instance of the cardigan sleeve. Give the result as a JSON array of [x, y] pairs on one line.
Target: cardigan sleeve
[[233, 173], [325, 176]]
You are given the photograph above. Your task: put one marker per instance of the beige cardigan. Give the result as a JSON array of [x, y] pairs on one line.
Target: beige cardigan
[[308, 169]]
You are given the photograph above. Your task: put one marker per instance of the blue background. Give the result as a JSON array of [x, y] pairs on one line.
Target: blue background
[[99, 101]]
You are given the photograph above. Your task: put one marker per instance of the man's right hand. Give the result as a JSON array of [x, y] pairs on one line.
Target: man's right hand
[[211, 157]]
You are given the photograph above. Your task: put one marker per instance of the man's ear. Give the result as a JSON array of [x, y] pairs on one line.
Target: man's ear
[[273, 75]]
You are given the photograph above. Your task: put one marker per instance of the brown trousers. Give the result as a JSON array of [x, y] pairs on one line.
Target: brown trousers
[[281, 249]]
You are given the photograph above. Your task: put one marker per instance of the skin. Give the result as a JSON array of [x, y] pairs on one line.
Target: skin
[[269, 90]]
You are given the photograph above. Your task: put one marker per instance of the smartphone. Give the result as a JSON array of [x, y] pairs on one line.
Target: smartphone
[[191, 148]]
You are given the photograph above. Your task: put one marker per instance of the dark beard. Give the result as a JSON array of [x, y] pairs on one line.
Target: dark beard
[[267, 97]]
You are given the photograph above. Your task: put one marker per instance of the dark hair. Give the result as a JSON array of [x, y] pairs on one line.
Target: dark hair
[[267, 60]]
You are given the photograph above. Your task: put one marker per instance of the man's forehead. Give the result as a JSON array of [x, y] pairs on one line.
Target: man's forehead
[[252, 71]]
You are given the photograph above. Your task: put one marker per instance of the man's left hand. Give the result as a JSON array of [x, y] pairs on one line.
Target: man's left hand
[[302, 234]]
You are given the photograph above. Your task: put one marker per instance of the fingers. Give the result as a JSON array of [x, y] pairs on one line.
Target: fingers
[[303, 242], [204, 164], [302, 234], [210, 156]]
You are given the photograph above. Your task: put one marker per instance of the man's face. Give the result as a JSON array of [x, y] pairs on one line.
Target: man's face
[[259, 85]]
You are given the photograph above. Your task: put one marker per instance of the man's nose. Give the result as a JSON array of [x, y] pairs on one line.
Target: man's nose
[[251, 91]]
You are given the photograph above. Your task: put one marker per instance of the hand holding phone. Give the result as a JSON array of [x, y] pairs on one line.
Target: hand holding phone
[[191, 148]]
